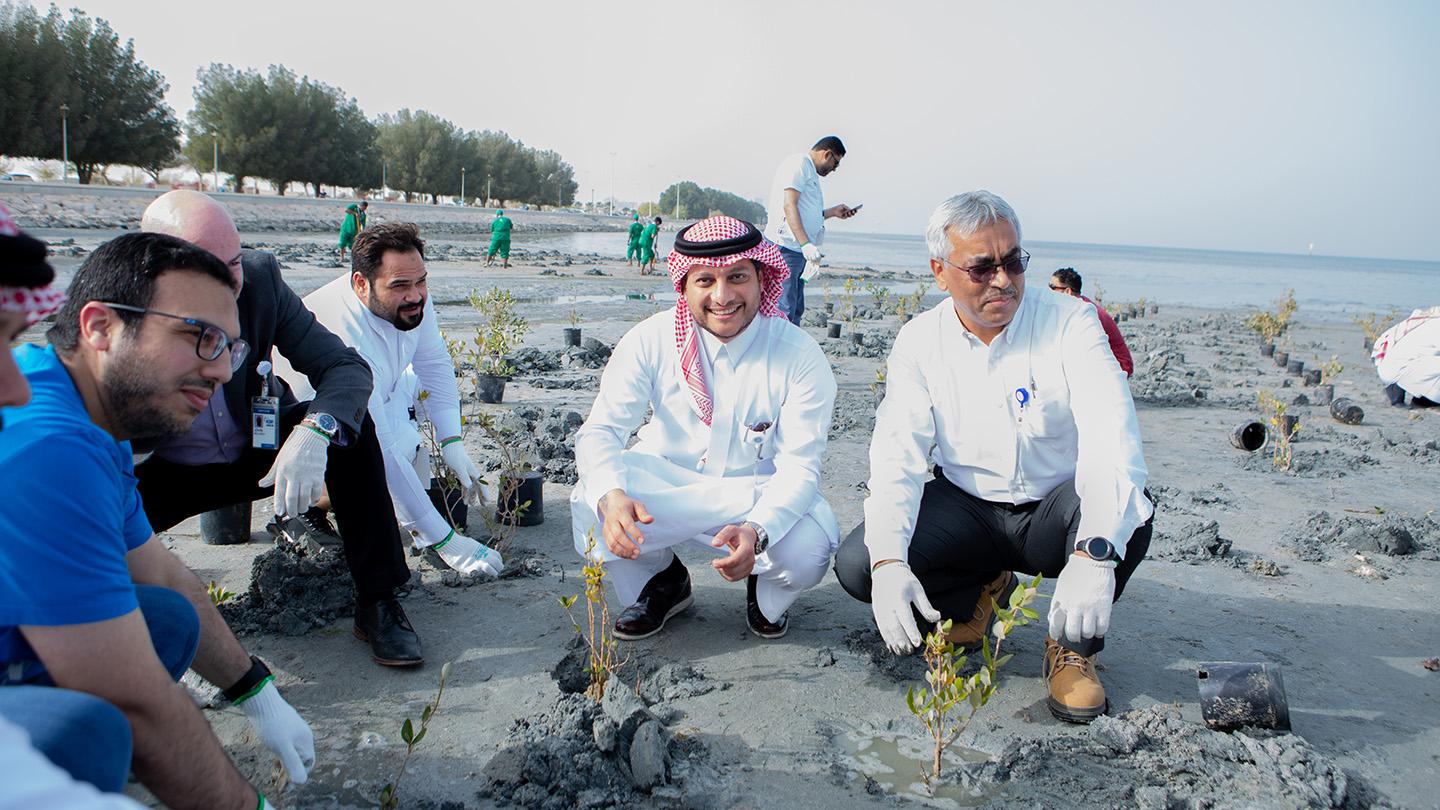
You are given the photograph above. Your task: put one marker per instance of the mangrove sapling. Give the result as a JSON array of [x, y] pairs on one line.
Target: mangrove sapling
[[602, 651], [1330, 369], [949, 691], [1374, 323], [880, 293], [218, 594], [390, 794], [848, 310], [451, 492], [1284, 427], [501, 332], [514, 462], [574, 317]]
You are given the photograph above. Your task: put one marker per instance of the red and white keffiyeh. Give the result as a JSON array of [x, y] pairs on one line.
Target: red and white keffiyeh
[[1391, 336], [24, 274], [690, 251]]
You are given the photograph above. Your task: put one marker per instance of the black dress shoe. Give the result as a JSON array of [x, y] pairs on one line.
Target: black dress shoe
[[759, 625], [393, 642], [665, 595], [312, 531], [1395, 395]]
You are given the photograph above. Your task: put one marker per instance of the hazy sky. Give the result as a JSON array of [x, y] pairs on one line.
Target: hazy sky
[[1229, 125]]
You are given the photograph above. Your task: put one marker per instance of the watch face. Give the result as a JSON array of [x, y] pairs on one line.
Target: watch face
[[1099, 548], [326, 422]]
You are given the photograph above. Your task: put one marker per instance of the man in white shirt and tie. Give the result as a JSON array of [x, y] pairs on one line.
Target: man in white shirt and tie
[[740, 402], [1015, 400]]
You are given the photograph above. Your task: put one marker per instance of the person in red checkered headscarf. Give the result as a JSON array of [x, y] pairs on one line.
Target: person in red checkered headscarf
[[740, 402]]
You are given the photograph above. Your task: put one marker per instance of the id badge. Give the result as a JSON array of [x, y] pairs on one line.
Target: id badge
[[265, 422]]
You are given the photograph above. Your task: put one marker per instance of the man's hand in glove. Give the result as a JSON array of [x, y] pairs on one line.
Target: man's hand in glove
[[893, 590], [453, 451], [282, 730], [299, 471], [1080, 608], [811, 252]]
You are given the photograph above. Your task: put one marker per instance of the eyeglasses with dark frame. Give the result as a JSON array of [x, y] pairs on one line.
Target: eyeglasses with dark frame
[[210, 343], [1013, 266]]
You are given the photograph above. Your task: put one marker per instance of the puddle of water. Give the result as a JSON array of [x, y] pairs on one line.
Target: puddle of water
[[894, 761]]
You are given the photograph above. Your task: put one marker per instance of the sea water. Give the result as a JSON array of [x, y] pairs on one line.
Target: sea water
[[1174, 276]]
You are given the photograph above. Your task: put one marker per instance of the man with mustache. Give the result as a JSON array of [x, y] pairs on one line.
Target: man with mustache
[[1016, 402], [327, 441], [93, 602], [740, 402], [382, 310]]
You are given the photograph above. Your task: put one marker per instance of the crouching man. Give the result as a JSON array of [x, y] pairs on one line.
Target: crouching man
[[1016, 401], [730, 459]]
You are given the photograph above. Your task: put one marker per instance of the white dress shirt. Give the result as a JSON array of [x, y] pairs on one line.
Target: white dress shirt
[[390, 353], [773, 394], [952, 401]]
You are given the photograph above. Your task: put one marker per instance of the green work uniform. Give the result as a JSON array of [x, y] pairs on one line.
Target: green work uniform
[[632, 250], [351, 225], [500, 237], [647, 243]]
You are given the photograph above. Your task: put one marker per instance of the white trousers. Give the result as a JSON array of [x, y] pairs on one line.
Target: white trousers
[[689, 508]]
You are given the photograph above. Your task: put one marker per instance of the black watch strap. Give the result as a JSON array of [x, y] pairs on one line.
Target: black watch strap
[[249, 682]]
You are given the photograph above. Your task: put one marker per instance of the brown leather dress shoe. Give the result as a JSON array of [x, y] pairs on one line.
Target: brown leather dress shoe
[[665, 595], [1076, 694], [759, 625], [969, 633]]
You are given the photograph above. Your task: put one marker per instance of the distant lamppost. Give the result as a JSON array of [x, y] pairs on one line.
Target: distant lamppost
[[612, 184], [488, 195], [462, 185], [64, 142], [215, 170]]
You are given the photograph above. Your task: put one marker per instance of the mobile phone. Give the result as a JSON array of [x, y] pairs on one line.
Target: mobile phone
[[856, 209]]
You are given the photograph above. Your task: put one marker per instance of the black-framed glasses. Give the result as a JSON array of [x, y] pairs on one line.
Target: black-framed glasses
[[210, 343], [1013, 266]]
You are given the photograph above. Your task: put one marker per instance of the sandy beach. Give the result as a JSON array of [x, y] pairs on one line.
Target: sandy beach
[[1330, 570]]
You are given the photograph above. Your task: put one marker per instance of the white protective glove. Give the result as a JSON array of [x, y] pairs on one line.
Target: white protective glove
[[469, 556], [812, 269], [811, 251], [893, 589], [459, 463], [1080, 608], [282, 730], [299, 471]]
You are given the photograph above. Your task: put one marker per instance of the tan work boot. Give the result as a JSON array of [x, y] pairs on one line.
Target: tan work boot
[[969, 633], [1076, 694]]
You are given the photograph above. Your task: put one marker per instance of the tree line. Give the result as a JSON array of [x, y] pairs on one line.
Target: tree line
[[272, 125], [696, 202]]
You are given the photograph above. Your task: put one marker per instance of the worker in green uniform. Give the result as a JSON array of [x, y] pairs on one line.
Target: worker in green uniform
[[632, 250], [352, 224], [500, 239], [647, 247]]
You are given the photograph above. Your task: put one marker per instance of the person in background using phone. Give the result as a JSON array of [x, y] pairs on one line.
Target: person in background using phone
[[796, 216], [1015, 403], [1067, 281]]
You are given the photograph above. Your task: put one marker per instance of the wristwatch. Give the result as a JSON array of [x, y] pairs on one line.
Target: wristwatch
[[1096, 548], [322, 422], [762, 539]]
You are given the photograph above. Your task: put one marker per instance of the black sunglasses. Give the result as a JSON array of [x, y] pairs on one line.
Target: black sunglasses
[[1013, 266], [210, 343]]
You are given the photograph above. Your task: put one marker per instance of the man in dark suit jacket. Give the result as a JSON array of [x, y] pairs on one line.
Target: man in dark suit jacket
[[328, 443]]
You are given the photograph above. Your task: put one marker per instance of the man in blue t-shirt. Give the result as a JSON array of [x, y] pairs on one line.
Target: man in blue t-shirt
[[90, 600]]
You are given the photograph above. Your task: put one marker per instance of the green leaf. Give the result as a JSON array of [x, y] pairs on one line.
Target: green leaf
[[1000, 662], [975, 700], [407, 732], [418, 737], [1029, 614], [425, 715]]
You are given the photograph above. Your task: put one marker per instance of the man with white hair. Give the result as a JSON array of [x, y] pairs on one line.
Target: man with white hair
[[382, 309], [1015, 400], [328, 441], [740, 402]]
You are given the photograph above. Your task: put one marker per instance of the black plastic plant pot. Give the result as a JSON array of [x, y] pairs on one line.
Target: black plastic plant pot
[[527, 500], [1281, 358], [906, 317], [834, 330], [572, 336], [1312, 376], [1234, 695], [858, 338], [489, 388], [1249, 435], [226, 526], [1154, 309], [450, 503], [1288, 424], [1324, 394], [1296, 367], [829, 307], [1346, 411], [1267, 349]]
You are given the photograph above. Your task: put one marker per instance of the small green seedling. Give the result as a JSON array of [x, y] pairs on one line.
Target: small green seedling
[[602, 650], [390, 794]]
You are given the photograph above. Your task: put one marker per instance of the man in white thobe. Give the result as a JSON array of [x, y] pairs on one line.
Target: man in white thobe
[[730, 459], [1407, 358], [1015, 399], [382, 309]]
